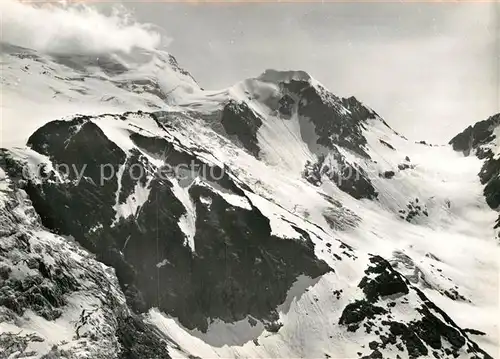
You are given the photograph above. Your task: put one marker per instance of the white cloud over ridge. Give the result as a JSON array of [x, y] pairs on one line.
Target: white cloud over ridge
[[60, 29]]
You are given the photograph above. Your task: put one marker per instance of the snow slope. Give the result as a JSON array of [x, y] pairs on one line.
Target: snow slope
[[38, 88]]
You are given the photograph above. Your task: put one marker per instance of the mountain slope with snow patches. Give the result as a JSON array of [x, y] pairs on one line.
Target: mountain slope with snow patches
[[269, 219], [56, 299]]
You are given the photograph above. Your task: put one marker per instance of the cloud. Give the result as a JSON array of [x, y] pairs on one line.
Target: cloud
[[62, 29]]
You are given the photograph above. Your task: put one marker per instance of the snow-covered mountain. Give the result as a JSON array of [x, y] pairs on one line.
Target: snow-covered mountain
[[145, 217]]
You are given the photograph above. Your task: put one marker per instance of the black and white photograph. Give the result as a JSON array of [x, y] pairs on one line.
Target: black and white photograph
[[249, 179]]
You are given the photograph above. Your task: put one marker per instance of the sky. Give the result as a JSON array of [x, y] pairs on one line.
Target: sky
[[429, 69]]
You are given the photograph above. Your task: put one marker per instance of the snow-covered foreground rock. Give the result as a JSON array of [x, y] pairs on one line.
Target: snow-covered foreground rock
[[144, 217], [56, 300]]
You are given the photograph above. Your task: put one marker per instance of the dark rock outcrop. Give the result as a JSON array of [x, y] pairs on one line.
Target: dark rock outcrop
[[51, 270], [387, 144], [476, 140], [240, 121], [389, 174], [333, 125], [348, 177], [384, 288], [414, 210]]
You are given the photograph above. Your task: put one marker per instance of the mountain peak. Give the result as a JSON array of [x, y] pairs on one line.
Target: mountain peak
[[277, 76]]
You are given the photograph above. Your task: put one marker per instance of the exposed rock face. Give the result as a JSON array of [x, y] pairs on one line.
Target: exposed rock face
[[389, 174], [333, 124], [350, 178], [45, 278], [233, 251], [475, 136], [482, 141], [338, 123], [238, 120], [387, 144], [386, 281], [431, 333], [155, 266]]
